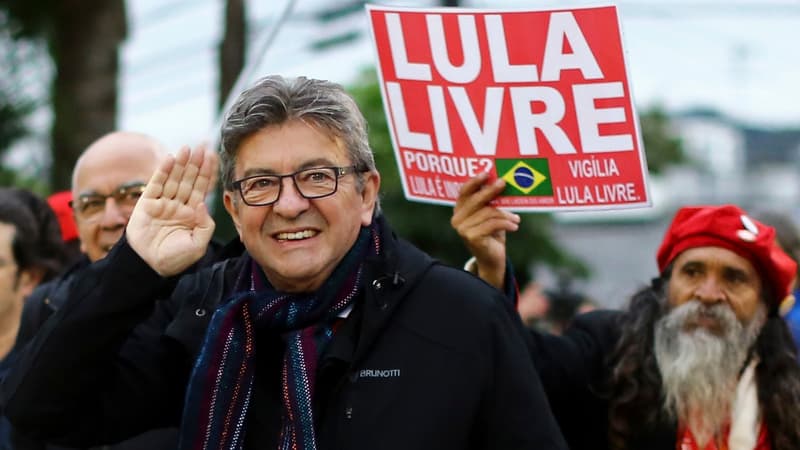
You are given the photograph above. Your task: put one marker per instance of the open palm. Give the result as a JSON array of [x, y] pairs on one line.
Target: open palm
[[170, 227]]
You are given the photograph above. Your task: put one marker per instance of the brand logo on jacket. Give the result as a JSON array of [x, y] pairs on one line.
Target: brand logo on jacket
[[379, 373]]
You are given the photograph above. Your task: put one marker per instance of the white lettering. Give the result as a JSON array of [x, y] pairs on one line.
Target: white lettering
[[571, 195], [563, 26], [468, 71], [526, 122], [444, 164], [502, 70], [405, 137], [616, 193], [593, 168], [441, 123], [482, 137], [379, 373], [397, 43], [589, 117]]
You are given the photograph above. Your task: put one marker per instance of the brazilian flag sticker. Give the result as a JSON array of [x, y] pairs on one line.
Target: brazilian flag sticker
[[525, 176]]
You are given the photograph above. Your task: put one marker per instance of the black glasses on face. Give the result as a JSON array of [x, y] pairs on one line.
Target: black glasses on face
[[91, 206], [317, 182]]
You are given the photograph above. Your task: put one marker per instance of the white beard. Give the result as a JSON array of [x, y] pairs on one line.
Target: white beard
[[699, 368]]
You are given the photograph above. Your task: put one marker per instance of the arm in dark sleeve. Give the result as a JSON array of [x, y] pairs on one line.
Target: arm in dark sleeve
[[36, 310], [99, 370], [577, 359], [519, 413]]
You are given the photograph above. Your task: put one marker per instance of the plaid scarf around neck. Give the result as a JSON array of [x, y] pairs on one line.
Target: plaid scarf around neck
[[219, 391]]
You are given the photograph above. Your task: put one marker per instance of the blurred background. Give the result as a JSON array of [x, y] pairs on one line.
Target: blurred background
[[715, 84]]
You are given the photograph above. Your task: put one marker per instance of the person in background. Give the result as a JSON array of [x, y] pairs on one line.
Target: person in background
[[31, 252], [107, 181], [61, 203], [789, 239], [700, 360], [551, 310], [329, 332]]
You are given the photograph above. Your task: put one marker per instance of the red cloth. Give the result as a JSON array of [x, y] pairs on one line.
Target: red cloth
[[729, 227], [59, 202], [687, 442]]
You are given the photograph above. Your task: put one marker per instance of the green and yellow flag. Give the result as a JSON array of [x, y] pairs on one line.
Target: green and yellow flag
[[529, 177]]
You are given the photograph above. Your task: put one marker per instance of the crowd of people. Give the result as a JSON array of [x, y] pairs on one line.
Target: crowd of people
[[320, 328]]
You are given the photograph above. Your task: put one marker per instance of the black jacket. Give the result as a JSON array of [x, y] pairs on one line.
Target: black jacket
[[574, 369], [430, 358], [48, 298]]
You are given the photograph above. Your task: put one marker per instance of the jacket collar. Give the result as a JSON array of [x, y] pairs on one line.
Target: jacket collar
[[388, 279]]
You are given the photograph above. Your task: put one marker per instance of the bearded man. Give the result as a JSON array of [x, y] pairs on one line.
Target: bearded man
[[700, 360]]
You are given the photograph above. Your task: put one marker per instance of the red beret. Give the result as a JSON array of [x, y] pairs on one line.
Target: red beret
[[730, 227], [59, 202]]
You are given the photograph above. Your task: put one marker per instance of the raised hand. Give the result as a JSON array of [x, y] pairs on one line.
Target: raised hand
[[170, 227], [483, 227]]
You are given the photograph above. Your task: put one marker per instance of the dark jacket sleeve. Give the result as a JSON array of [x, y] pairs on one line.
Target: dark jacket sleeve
[[574, 369], [517, 399], [102, 349], [36, 310], [577, 359]]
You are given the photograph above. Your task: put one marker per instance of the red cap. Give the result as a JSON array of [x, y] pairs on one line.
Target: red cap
[[59, 202], [730, 227]]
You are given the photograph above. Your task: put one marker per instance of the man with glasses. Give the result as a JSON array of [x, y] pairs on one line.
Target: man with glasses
[[328, 332], [108, 179]]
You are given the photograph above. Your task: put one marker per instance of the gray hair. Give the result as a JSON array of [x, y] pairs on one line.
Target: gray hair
[[698, 367], [275, 100]]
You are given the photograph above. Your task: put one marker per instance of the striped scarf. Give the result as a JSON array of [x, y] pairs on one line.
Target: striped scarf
[[221, 384]]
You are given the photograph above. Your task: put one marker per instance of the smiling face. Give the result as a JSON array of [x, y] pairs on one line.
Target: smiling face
[[114, 162], [714, 275], [298, 242]]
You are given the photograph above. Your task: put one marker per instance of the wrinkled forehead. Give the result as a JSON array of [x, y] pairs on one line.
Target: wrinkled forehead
[[717, 257], [295, 143]]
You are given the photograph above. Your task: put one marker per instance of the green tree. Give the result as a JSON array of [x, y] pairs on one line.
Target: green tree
[[428, 226], [83, 38], [16, 102], [662, 148]]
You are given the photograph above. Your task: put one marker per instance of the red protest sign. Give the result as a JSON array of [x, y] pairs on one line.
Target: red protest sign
[[539, 98]]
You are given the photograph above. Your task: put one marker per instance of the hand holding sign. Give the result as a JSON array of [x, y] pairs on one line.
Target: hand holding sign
[[483, 227]]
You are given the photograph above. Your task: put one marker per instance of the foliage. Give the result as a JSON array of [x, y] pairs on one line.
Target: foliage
[[15, 103], [28, 18], [82, 41], [12, 115], [661, 147], [428, 226]]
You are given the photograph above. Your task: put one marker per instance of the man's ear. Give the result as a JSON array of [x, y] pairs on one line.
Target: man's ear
[[232, 206], [369, 196], [29, 279]]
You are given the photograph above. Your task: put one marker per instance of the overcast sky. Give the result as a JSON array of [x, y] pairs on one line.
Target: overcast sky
[[740, 57]]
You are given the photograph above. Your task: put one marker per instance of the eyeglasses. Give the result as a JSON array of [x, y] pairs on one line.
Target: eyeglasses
[[317, 182], [91, 206]]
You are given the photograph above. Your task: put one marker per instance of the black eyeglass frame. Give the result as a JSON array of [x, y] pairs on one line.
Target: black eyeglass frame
[[117, 194], [340, 171]]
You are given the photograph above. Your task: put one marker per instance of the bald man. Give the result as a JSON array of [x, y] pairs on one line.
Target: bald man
[[108, 179]]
